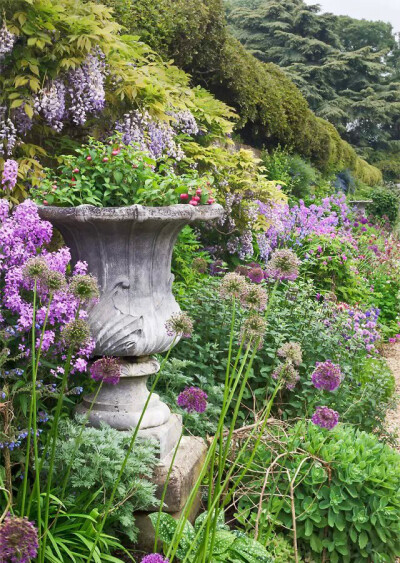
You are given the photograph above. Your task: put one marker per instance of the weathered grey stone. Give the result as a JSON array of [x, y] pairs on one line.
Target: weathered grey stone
[[186, 469], [129, 251], [360, 205]]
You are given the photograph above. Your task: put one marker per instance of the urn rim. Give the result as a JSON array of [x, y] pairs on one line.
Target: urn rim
[[168, 213]]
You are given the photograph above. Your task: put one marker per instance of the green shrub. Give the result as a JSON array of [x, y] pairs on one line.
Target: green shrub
[[346, 492], [96, 467], [385, 203]]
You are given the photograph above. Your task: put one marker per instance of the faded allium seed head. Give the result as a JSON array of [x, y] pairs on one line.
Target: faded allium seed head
[[193, 399], [84, 287], [106, 369], [233, 285], [18, 540], [288, 374], [326, 376], [254, 298], [253, 330], [35, 269], [54, 280], [291, 351], [325, 417], [76, 334], [180, 324], [200, 265], [284, 265]]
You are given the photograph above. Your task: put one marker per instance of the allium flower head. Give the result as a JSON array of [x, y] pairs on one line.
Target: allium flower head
[[327, 376], [76, 334], [106, 369], [84, 286], [256, 274], [18, 540], [180, 324], [232, 285], [54, 280], [287, 373], [193, 399], [200, 265], [154, 558], [325, 417], [254, 297], [291, 351], [35, 268], [284, 265], [253, 330]]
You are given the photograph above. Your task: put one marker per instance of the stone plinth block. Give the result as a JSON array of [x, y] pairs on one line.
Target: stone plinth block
[[185, 471]]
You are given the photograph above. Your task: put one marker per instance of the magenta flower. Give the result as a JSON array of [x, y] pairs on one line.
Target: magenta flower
[[18, 540], [193, 399], [107, 370], [154, 558], [256, 274], [325, 417], [326, 376]]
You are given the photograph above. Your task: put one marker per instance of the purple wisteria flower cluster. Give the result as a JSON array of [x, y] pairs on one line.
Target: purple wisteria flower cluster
[[18, 540], [193, 399], [7, 40], [326, 376], [156, 137], [8, 133]]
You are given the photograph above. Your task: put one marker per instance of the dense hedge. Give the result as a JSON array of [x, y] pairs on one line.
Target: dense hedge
[[272, 110]]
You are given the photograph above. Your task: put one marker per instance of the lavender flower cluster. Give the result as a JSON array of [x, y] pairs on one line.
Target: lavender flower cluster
[[51, 104], [10, 174]]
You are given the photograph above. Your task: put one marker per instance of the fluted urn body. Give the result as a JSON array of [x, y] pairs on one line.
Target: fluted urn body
[[129, 251]]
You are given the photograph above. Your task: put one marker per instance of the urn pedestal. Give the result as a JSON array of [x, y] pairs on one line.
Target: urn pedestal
[[129, 251]]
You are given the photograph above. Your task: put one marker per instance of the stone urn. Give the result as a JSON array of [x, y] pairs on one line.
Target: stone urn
[[129, 251]]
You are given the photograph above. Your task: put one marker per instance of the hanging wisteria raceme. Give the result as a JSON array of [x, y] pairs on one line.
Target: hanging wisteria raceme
[[22, 121], [7, 40], [50, 103], [8, 133], [10, 174], [184, 122], [154, 136], [86, 94]]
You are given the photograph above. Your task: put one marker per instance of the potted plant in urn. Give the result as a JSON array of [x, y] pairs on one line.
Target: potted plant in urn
[[121, 212]]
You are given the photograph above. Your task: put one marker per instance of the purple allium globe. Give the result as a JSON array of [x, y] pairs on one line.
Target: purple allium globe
[[180, 324], [284, 265], [233, 285], [326, 376], [154, 558], [288, 374], [325, 417], [18, 540], [291, 351], [253, 331], [256, 274], [107, 370], [193, 399], [254, 298]]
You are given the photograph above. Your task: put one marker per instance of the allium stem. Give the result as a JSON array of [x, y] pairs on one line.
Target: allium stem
[[128, 453], [165, 491]]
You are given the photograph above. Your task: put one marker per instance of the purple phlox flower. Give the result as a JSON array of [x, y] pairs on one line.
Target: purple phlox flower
[[107, 370], [325, 417], [18, 540], [193, 399], [10, 174], [154, 558], [326, 376]]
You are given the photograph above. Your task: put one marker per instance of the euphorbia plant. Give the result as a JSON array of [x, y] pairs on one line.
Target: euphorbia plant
[[111, 174]]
